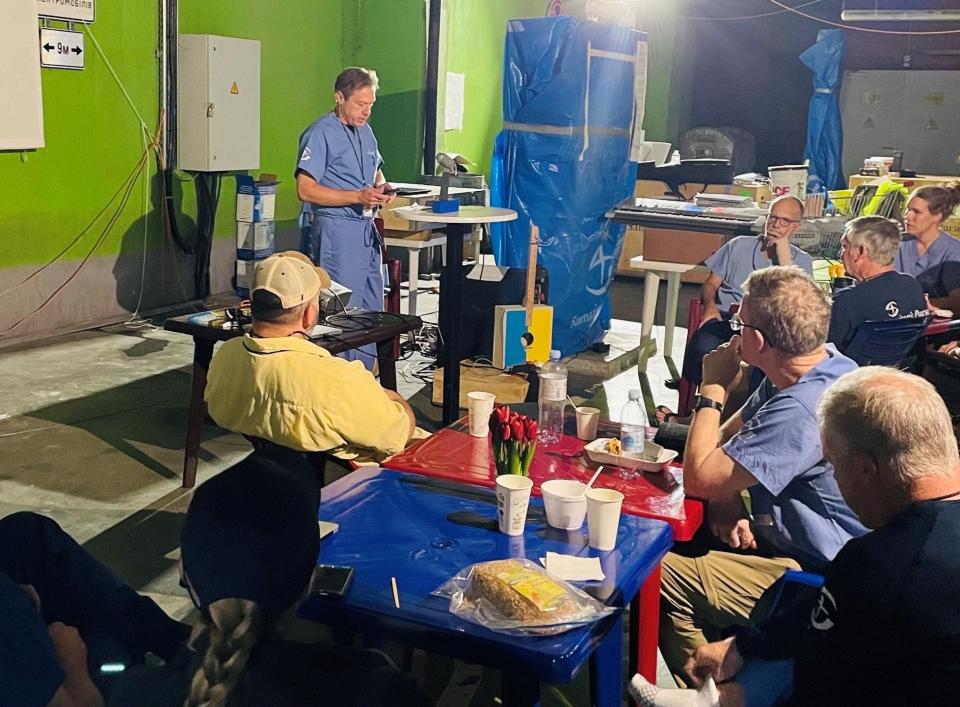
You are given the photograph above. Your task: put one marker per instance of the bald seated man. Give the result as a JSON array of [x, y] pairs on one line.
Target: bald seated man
[[729, 267]]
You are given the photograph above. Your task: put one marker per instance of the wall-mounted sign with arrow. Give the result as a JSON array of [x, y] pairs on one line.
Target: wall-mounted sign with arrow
[[61, 49]]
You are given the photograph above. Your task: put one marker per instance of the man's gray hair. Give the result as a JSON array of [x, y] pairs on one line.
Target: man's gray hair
[[896, 418], [878, 236], [789, 308]]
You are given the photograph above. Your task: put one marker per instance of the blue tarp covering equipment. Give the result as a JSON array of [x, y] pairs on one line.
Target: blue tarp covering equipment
[[562, 161], [824, 131]]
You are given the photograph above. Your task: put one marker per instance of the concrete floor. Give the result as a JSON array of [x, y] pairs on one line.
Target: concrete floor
[[92, 428]]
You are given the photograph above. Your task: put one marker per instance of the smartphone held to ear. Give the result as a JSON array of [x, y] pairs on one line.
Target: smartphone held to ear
[[331, 581]]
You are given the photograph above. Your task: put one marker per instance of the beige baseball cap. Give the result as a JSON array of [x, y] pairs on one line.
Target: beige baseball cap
[[291, 276]]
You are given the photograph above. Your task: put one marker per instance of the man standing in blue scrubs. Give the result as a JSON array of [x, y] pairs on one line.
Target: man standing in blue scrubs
[[339, 176]]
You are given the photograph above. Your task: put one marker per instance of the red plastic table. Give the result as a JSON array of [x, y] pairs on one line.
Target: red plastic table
[[452, 454]]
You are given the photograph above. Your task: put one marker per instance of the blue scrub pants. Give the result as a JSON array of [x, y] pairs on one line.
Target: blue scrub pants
[[348, 249]]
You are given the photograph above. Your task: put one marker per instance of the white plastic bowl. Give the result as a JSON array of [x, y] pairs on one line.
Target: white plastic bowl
[[597, 452], [564, 502]]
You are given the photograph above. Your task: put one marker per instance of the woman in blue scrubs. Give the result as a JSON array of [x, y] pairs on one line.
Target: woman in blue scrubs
[[339, 177], [924, 245]]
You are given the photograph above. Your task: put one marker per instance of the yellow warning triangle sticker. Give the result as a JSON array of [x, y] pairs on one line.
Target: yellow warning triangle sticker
[[233, 89]]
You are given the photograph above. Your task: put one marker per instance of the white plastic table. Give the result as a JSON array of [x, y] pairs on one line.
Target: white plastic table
[[458, 223], [653, 271]]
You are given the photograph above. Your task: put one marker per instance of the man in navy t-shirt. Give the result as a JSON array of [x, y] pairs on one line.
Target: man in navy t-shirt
[[770, 449], [868, 248], [885, 628]]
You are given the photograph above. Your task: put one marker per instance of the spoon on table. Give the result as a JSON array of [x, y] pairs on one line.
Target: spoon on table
[[593, 478]]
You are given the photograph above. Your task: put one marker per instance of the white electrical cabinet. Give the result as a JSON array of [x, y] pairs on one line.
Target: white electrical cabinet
[[218, 103], [911, 110]]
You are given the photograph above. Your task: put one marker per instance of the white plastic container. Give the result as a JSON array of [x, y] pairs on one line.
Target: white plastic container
[[565, 503], [789, 179]]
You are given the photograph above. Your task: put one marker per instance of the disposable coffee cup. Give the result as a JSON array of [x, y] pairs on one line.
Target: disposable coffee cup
[[603, 518], [479, 408], [513, 498], [587, 419]]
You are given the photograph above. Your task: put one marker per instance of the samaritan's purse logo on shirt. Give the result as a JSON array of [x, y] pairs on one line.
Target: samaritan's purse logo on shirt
[[892, 309], [306, 154], [821, 618]]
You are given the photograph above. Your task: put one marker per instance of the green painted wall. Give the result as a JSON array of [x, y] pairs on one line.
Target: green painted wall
[[93, 136], [472, 44], [390, 36]]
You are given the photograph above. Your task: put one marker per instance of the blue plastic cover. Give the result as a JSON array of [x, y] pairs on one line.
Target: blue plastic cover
[[824, 131], [562, 161]]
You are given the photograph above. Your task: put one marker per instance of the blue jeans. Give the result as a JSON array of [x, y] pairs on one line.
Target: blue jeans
[[706, 339], [75, 589]]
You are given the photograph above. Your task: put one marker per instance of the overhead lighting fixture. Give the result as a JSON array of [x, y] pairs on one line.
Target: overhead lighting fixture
[[900, 15]]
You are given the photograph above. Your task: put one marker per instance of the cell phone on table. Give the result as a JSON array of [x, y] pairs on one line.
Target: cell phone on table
[[331, 581]]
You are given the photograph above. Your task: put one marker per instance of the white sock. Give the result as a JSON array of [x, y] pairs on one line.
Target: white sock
[[647, 694]]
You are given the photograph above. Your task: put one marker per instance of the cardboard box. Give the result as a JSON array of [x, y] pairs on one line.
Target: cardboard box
[[652, 189], [760, 193], [255, 241], [675, 246], [911, 183], [408, 235], [256, 201], [244, 279]]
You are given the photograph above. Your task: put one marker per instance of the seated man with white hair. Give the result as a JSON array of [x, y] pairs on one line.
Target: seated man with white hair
[[885, 629], [770, 449], [867, 249]]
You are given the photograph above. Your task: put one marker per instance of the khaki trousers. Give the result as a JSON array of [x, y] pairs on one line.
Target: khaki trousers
[[699, 596]]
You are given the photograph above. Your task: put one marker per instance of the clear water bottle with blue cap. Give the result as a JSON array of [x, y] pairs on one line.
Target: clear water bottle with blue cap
[[633, 428]]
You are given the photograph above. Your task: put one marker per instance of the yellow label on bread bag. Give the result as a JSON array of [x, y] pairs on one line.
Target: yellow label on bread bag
[[541, 591]]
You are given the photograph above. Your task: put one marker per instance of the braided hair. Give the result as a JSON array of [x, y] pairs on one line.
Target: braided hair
[[234, 628]]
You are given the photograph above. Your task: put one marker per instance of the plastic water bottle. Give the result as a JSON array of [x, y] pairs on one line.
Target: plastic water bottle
[[553, 399], [633, 428]]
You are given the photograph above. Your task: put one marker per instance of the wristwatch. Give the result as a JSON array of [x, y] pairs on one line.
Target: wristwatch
[[700, 402]]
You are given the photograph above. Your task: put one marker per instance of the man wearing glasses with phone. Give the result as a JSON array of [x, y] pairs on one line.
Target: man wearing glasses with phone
[[729, 267], [771, 449], [340, 181]]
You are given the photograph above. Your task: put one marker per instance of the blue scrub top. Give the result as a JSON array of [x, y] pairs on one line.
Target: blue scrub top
[[738, 258], [909, 261], [340, 157], [779, 444]]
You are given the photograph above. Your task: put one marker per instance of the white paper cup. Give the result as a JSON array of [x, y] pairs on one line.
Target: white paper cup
[[587, 419], [564, 503], [603, 517], [513, 497], [479, 408]]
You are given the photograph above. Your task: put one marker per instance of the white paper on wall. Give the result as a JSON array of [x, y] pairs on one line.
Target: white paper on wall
[[453, 104]]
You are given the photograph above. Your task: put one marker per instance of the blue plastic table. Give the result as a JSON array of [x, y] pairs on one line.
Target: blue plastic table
[[423, 531]]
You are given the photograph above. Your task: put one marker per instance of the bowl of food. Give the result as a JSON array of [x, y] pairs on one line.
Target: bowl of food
[[565, 503], [609, 450]]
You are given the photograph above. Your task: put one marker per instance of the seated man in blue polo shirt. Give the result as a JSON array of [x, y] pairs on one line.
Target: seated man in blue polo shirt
[[729, 267], [770, 449], [868, 247]]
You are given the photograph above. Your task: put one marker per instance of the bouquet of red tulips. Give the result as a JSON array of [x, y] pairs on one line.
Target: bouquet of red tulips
[[514, 441]]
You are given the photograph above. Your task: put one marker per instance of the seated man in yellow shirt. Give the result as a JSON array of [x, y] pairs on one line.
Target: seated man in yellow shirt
[[275, 384]]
